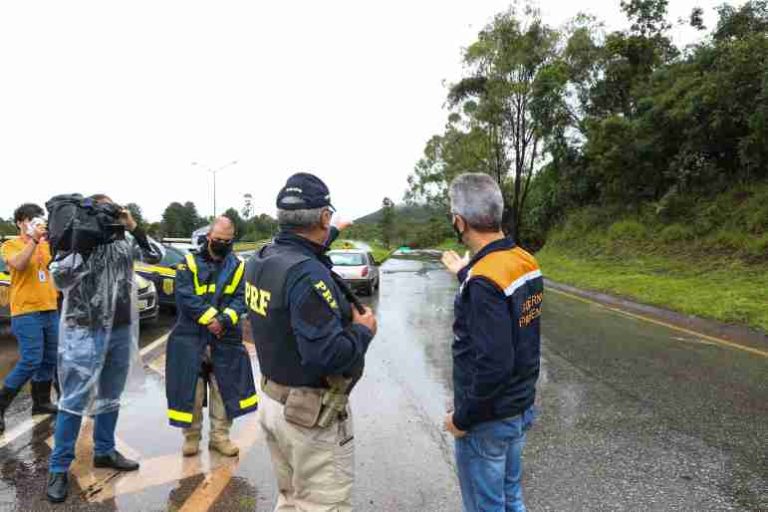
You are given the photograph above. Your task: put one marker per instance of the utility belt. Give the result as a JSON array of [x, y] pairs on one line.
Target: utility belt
[[308, 407]]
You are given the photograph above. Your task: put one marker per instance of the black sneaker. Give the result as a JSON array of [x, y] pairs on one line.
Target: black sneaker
[[58, 487], [115, 461]]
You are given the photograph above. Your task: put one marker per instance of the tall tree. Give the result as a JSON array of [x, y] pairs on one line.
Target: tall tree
[[240, 225], [8, 227], [513, 102], [136, 212], [387, 223], [181, 220]]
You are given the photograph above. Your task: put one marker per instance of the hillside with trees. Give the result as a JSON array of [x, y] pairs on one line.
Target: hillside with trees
[[638, 166]]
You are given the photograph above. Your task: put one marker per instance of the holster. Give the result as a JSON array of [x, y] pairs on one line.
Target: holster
[[206, 369], [302, 406]]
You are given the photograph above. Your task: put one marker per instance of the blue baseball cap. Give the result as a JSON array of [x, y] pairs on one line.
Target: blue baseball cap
[[304, 191]]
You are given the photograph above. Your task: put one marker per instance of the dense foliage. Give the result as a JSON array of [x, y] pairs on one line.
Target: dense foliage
[[626, 122]]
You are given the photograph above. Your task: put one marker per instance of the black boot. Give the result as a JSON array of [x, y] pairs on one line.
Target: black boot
[[58, 487], [115, 460], [6, 397], [41, 398]]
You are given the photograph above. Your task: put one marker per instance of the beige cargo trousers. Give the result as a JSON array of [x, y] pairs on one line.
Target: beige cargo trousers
[[314, 466]]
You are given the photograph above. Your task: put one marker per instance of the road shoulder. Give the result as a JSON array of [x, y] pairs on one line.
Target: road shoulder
[[737, 334]]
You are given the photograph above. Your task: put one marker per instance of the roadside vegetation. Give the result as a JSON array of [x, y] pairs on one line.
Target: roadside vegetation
[[629, 164], [380, 253], [706, 257]]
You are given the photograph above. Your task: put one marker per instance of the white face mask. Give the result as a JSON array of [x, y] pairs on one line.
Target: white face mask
[[32, 225]]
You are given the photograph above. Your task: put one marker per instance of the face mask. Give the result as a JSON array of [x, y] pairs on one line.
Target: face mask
[[459, 234], [220, 249]]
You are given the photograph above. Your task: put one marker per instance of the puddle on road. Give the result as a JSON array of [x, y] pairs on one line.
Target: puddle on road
[[415, 321]]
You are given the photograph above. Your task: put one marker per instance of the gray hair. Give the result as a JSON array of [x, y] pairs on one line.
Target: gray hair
[[300, 219], [477, 198]]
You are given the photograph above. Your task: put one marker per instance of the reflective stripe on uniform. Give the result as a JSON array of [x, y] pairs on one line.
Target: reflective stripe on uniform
[[232, 287], [184, 417], [200, 289], [206, 317], [232, 314], [154, 269], [250, 401]]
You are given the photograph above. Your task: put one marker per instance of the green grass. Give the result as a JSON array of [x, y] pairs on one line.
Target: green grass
[[249, 246], [721, 288], [451, 244], [380, 253]]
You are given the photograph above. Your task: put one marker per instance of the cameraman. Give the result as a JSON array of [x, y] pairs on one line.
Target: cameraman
[[98, 341], [34, 316]]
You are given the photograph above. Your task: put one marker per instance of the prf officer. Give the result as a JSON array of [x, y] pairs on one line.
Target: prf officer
[[305, 331]]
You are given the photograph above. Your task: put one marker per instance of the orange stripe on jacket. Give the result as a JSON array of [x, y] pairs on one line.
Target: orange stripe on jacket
[[507, 269]]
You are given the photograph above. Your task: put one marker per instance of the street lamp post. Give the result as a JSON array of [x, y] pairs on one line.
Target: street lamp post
[[214, 171]]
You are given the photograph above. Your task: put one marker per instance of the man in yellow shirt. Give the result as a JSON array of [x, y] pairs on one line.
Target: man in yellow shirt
[[34, 315]]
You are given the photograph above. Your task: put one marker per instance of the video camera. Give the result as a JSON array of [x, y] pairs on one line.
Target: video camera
[[78, 224]]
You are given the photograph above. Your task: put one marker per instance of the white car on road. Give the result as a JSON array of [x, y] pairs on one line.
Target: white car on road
[[358, 268]]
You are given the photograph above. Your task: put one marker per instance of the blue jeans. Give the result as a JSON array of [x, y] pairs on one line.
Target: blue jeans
[[489, 460], [37, 334], [65, 438], [93, 368]]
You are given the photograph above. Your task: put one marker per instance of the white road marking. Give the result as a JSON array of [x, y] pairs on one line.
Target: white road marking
[[18, 431], [23, 428], [149, 348]]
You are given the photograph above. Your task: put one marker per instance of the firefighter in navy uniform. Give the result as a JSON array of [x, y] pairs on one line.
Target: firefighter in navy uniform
[[205, 349], [306, 334]]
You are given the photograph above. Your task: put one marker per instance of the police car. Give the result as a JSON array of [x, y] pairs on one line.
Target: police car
[[163, 274], [147, 301], [5, 292]]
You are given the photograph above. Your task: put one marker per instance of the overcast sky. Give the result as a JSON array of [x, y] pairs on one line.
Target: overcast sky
[[121, 98]]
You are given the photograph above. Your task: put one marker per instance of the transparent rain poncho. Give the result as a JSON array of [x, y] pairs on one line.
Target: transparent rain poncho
[[98, 357]]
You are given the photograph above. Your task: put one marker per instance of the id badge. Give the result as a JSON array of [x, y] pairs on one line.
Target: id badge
[[42, 276]]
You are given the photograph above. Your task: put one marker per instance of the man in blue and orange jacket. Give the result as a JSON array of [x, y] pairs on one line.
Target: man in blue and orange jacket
[[205, 350], [496, 348]]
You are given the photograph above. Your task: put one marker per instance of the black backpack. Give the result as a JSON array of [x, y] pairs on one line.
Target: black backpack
[[78, 224]]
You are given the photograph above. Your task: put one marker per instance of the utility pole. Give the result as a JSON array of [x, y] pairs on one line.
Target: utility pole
[[214, 172]]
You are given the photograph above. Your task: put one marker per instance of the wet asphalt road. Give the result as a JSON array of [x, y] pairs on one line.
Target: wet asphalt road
[[633, 416]]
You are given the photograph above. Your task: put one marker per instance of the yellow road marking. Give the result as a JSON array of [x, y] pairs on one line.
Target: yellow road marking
[[92, 480], [149, 348], [99, 485], [175, 467], [209, 490], [713, 339]]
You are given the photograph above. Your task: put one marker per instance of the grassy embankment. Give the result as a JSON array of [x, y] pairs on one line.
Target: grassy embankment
[[249, 246], [380, 253], [705, 257]]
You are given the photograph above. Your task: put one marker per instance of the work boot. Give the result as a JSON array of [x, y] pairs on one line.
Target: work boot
[[194, 432], [58, 487], [41, 398], [224, 446], [6, 397], [220, 424], [191, 445], [115, 460]]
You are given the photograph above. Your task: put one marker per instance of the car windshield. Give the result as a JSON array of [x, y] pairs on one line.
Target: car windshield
[[173, 256], [347, 259]]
